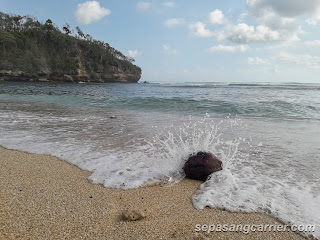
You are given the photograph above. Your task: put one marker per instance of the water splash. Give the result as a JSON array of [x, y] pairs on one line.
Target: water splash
[[172, 145]]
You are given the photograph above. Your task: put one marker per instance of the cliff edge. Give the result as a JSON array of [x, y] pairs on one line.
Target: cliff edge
[[34, 51]]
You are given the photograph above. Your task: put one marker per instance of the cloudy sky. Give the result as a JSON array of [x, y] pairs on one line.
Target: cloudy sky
[[204, 40]]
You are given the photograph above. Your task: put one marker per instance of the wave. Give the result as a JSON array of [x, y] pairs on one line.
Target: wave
[[277, 109], [290, 86]]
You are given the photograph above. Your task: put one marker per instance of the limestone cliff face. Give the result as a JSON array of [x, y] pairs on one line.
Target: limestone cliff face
[[45, 74], [21, 76], [33, 51]]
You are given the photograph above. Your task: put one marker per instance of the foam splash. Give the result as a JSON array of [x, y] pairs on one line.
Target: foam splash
[[172, 145], [168, 147]]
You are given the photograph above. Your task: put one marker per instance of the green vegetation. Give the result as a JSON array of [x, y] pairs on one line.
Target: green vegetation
[[40, 50]]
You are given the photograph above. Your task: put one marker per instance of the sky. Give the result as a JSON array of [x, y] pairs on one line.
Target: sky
[[198, 41]]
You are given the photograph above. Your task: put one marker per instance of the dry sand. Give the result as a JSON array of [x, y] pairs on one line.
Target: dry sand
[[42, 197]]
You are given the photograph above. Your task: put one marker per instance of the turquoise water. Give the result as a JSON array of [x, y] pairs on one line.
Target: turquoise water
[[289, 101], [267, 136]]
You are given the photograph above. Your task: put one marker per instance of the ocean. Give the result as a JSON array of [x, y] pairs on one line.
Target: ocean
[[131, 135]]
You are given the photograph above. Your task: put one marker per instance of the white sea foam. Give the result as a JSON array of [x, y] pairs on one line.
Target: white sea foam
[[244, 190], [172, 145]]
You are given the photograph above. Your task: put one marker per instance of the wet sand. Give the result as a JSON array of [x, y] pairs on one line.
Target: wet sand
[[42, 197]]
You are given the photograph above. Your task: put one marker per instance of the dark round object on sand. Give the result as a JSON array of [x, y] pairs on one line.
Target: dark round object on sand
[[200, 165]]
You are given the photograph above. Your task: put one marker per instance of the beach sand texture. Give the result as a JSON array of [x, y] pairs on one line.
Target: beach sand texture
[[42, 197]]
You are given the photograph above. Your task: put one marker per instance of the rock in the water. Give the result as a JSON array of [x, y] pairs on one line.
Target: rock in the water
[[67, 78], [134, 215], [200, 165]]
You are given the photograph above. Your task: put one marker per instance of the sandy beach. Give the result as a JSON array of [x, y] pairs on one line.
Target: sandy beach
[[42, 197]]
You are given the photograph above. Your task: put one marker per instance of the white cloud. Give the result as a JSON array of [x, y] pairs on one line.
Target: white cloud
[[282, 15], [242, 16], [312, 43], [230, 49], [312, 21], [286, 8], [143, 6], [257, 61], [169, 4], [243, 33], [285, 60], [90, 12], [134, 53], [315, 18], [277, 21], [168, 50], [271, 26], [216, 17], [199, 29], [305, 60], [174, 22]]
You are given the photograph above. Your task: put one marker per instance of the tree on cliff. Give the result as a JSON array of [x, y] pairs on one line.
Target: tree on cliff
[[66, 29], [5, 40]]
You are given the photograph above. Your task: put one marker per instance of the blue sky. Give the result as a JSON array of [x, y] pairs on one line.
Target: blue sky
[[199, 41]]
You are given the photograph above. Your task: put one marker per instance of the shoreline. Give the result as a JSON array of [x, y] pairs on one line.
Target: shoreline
[[43, 197]]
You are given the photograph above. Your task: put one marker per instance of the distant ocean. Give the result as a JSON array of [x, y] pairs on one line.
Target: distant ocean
[[267, 135]]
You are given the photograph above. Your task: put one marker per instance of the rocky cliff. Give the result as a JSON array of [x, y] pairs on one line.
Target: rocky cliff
[[34, 51]]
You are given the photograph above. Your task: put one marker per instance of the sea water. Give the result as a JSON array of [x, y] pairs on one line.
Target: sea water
[[267, 136]]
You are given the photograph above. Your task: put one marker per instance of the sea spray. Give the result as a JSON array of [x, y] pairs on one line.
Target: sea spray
[[162, 158], [172, 145]]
